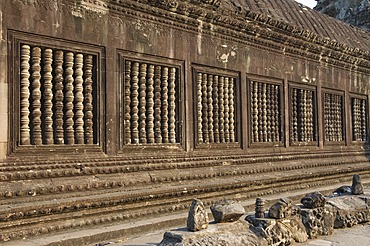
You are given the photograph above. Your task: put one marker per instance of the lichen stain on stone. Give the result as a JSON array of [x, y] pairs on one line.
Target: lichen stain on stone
[[199, 37], [1, 26], [225, 53]]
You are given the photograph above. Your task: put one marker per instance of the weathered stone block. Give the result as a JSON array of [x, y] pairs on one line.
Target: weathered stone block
[[281, 209], [318, 221], [351, 210], [227, 211], [197, 217], [313, 200], [283, 231], [230, 234], [357, 187]]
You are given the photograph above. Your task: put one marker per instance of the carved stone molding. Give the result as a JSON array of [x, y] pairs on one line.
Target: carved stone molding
[[256, 28]]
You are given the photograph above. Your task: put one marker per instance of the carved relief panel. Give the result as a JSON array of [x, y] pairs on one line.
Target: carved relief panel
[[333, 109], [215, 105], [359, 118], [302, 109], [265, 110], [150, 92], [58, 91]]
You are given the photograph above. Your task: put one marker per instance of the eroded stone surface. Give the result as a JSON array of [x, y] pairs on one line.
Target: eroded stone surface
[[313, 200], [197, 217], [318, 221], [351, 210], [357, 187], [230, 234], [281, 209], [227, 211], [282, 231]]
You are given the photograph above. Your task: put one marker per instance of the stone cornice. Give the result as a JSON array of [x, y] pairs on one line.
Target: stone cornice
[[252, 28], [258, 25]]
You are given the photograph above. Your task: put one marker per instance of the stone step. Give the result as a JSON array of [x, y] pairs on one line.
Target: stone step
[[31, 183], [91, 209], [124, 231]]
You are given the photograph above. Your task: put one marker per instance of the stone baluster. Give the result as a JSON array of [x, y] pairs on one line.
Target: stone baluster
[[232, 109], [216, 116], [88, 99], [142, 103], [157, 104], [48, 96], [79, 98], [326, 117], [303, 115], [254, 96], [335, 117], [353, 118], [268, 113], [127, 101], [69, 98], [172, 105], [210, 108], [150, 105], [340, 117], [277, 110], [205, 109], [36, 96], [227, 110], [260, 115], [25, 95], [221, 107], [135, 103], [264, 112], [310, 115], [272, 113], [363, 120], [332, 118], [260, 208], [59, 97], [356, 118], [200, 107], [294, 126], [165, 105]]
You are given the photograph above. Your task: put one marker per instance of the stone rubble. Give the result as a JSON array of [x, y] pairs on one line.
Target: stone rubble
[[227, 211], [282, 224], [357, 187], [198, 217], [313, 200]]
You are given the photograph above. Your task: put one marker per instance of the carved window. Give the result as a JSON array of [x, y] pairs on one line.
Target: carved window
[[150, 102], [266, 112], [57, 96], [333, 117], [359, 119], [302, 115], [215, 108]]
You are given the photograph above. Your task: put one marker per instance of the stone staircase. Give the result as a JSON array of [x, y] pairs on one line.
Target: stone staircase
[[46, 197]]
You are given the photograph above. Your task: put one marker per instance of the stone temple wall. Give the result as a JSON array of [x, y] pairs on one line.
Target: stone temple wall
[[109, 107], [121, 78]]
